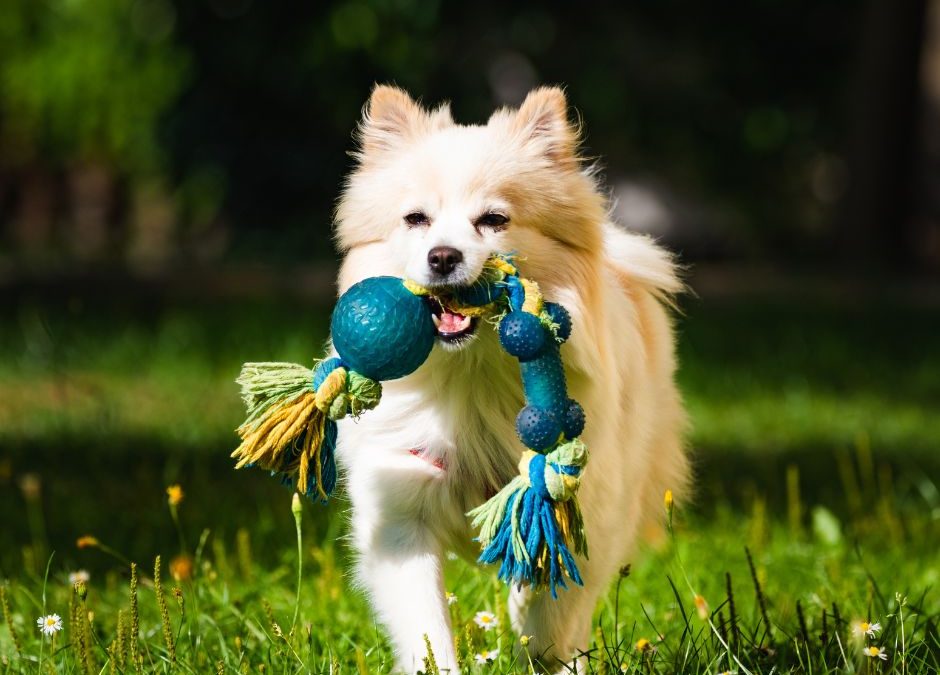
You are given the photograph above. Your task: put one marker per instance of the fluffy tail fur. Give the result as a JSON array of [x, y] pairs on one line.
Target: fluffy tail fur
[[639, 261]]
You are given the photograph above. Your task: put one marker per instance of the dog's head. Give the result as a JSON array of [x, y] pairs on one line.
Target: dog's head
[[430, 200]]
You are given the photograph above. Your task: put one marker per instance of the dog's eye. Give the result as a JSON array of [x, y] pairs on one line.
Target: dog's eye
[[417, 219], [496, 221]]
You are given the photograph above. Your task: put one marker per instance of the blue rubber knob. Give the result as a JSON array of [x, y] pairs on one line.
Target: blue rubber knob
[[522, 335], [381, 329], [538, 428], [573, 421], [559, 316]]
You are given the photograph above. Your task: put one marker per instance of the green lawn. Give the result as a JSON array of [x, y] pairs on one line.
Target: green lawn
[[816, 441]]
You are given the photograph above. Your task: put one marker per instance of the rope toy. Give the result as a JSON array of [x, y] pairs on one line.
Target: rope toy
[[382, 330]]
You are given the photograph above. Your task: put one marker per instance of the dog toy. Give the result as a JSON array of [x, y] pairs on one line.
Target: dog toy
[[382, 330]]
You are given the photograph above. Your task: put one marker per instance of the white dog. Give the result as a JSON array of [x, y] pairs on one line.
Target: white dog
[[431, 200]]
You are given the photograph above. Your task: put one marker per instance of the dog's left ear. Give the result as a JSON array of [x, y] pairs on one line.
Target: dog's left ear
[[542, 121]]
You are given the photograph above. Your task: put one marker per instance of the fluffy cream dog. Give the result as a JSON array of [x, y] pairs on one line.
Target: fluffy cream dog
[[431, 200]]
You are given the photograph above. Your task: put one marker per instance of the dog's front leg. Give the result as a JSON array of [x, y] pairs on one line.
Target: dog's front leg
[[401, 566]]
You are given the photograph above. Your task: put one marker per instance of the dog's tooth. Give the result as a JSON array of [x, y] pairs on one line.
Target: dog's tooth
[[437, 320], [465, 323]]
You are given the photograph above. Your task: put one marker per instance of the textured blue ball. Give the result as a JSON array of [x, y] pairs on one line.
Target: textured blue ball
[[522, 335], [573, 421], [559, 315], [381, 329], [538, 428]]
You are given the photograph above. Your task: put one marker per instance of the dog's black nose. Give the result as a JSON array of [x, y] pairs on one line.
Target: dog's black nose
[[443, 259]]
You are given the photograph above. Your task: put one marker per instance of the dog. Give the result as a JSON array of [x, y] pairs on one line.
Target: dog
[[431, 200]]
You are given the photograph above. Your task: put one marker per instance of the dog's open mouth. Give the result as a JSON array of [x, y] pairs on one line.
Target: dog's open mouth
[[452, 327]]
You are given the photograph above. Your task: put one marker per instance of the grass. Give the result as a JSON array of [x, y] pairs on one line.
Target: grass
[[691, 603], [815, 437]]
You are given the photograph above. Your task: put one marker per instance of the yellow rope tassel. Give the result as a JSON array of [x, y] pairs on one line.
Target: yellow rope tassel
[[564, 523], [533, 297], [263, 441], [314, 443], [311, 452], [502, 265], [415, 287], [333, 386], [470, 310]]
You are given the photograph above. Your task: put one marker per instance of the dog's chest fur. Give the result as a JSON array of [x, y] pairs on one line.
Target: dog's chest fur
[[442, 440]]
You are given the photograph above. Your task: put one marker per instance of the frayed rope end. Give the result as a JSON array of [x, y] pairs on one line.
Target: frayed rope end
[[533, 526], [290, 428]]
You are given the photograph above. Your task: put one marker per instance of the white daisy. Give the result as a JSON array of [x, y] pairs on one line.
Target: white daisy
[[874, 652], [79, 576], [486, 620], [49, 624], [860, 628], [487, 656], [451, 598]]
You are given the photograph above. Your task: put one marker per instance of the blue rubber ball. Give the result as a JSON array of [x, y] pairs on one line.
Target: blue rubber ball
[[559, 315], [381, 329], [522, 335], [538, 428]]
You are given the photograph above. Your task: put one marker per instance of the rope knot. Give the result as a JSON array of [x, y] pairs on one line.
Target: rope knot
[[557, 475], [340, 391]]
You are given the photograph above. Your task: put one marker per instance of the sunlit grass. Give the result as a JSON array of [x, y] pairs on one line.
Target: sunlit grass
[[816, 450], [689, 603]]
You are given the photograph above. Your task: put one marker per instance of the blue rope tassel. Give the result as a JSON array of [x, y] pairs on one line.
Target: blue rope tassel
[[531, 526]]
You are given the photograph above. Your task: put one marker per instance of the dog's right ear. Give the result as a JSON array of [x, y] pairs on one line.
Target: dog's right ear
[[392, 117]]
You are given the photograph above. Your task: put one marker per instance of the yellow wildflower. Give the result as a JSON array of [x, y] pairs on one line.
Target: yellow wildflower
[[181, 568], [701, 605], [644, 645], [175, 495]]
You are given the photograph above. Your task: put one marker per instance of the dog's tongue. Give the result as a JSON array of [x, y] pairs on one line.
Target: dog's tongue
[[451, 322]]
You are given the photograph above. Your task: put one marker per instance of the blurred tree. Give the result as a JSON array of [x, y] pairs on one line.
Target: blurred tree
[[195, 119], [83, 84], [89, 78], [877, 227], [744, 112]]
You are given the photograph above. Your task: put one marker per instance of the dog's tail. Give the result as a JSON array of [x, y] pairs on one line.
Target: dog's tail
[[639, 261], [640, 264]]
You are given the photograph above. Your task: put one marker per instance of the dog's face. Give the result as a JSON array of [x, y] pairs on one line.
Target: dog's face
[[449, 213], [431, 200]]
